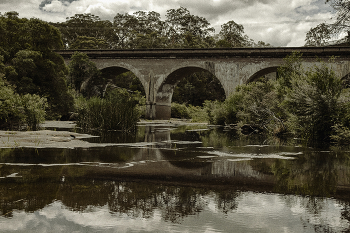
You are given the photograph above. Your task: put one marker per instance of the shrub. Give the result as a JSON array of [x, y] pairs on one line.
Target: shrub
[[117, 111], [197, 113], [256, 104], [179, 111], [216, 112], [312, 103], [16, 110], [34, 109], [11, 110]]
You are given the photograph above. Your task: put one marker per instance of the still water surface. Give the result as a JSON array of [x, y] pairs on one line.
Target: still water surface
[[175, 179]]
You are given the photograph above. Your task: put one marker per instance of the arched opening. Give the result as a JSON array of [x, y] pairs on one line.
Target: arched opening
[[122, 78], [268, 73], [189, 86], [119, 77]]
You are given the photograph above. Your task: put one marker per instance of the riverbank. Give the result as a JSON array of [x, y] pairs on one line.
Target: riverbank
[[49, 137]]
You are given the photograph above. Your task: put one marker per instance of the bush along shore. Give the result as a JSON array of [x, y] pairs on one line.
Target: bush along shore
[[118, 110], [311, 104]]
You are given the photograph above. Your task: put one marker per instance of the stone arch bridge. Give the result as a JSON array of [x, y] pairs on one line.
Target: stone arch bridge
[[159, 70]]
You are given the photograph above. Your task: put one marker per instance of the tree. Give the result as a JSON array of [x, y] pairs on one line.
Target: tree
[[124, 27], [318, 36], [186, 30], [310, 104], [81, 70], [32, 66], [262, 44], [313, 103], [140, 30], [88, 26], [256, 104], [231, 35], [129, 81], [322, 33], [11, 112], [85, 42], [17, 110], [197, 88], [342, 8]]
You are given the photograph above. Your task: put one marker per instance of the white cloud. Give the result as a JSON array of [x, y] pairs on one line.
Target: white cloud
[[289, 19], [55, 6]]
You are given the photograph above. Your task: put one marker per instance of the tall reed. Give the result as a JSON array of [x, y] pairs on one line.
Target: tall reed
[[116, 111]]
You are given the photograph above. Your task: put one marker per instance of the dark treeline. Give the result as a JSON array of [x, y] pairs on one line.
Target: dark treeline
[[143, 29]]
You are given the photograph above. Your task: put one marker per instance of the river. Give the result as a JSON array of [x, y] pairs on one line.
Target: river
[[175, 178]]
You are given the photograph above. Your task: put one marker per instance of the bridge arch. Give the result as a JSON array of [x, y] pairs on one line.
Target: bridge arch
[[112, 73], [115, 70], [164, 93], [262, 72]]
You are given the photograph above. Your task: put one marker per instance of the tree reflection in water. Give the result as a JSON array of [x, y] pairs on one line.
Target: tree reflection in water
[[314, 173], [188, 180], [135, 199]]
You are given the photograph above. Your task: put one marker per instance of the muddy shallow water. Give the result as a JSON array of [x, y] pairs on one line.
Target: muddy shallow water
[[169, 177]]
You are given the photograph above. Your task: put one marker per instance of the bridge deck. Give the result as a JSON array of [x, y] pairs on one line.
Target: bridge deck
[[276, 52]]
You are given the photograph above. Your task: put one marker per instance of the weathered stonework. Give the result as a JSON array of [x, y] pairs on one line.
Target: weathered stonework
[[159, 70]]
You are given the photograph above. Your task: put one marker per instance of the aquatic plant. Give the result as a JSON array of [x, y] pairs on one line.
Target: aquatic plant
[[118, 110]]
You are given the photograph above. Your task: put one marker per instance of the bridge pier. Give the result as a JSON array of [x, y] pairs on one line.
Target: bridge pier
[[163, 111], [150, 110], [158, 111]]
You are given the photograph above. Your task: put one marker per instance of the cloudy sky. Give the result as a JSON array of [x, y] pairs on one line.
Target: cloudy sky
[[278, 22]]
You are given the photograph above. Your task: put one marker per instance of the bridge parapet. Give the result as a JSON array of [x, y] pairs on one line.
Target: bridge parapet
[[268, 52]]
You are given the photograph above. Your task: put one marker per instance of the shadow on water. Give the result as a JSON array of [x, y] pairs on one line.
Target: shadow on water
[[178, 172]]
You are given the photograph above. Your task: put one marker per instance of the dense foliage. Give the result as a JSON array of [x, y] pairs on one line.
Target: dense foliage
[[143, 29], [83, 71], [195, 89], [116, 111], [20, 110], [309, 104], [31, 65]]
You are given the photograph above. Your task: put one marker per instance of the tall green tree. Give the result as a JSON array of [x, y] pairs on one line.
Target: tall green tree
[[18, 110], [31, 64], [85, 42], [323, 32], [232, 35], [124, 27], [139, 30], [81, 70], [187, 30], [88, 26], [318, 36]]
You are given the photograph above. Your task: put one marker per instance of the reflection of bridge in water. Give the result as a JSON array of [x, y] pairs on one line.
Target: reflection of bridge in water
[[189, 159], [159, 70]]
